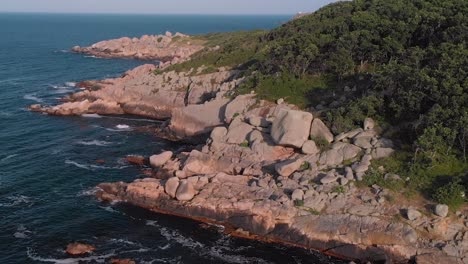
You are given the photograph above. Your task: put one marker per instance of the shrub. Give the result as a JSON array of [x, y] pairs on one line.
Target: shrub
[[244, 144], [298, 203], [452, 194], [304, 166], [338, 189], [321, 143]]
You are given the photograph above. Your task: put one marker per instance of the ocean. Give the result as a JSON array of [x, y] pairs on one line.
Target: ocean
[[48, 165]]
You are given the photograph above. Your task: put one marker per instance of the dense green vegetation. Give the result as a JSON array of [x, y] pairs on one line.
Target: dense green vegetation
[[404, 63], [223, 50], [408, 62]]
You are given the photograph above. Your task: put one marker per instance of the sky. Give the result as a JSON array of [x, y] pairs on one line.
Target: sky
[[164, 6]]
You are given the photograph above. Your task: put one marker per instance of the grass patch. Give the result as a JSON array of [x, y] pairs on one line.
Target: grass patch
[[322, 143], [285, 85], [244, 144], [235, 49], [304, 166], [298, 203], [338, 189], [313, 211], [444, 182]]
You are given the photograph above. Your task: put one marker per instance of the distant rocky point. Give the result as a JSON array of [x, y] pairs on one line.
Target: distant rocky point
[[168, 47]]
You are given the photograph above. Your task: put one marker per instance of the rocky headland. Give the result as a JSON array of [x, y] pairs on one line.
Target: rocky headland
[[167, 48], [267, 170]]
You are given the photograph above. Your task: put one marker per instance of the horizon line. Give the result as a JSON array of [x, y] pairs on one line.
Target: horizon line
[[118, 13]]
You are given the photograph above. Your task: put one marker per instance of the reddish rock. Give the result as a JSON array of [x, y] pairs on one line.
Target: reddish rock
[[100, 161], [136, 160], [158, 47], [147, 172], [79, 249], [122, 261]]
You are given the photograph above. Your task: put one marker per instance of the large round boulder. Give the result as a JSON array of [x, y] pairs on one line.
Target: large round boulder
[[291, 128], [185, 191]]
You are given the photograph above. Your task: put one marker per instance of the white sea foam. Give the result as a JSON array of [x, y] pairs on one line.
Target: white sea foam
[[88, 192], [122, 126], [172, 235], [99, 259], [90, 56], [165, 247], [70, 84], [33, 97], [152, 223], [217, 251], [91, 115], [92, 166], [124, 241], [99, 143]]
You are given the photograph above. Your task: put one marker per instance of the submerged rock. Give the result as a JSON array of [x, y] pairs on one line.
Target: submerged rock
[[136, 160]]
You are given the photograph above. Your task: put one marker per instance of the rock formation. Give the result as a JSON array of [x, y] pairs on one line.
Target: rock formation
[[270, 170], [165, 48]]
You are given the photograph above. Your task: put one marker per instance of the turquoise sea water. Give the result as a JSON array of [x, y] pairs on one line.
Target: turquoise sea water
[[48, 164]]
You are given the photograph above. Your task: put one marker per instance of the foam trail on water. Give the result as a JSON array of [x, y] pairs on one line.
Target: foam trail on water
[[98, 259], [92, 167], [33, 98], [99, 143], [8, 157], [70, 84]]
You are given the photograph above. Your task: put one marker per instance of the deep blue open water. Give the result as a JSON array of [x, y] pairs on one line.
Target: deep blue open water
[[48, 164]]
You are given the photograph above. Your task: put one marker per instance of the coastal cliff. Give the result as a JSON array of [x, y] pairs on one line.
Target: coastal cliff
[[286, 155]]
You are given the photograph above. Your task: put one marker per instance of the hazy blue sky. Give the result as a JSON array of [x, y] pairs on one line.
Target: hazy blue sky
[[164, 6]]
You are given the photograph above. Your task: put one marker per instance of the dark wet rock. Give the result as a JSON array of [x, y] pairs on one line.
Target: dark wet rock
[[136, 160]]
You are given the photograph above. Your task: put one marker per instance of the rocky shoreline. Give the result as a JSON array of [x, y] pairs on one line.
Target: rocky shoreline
[[268, 170], [168, 48]]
